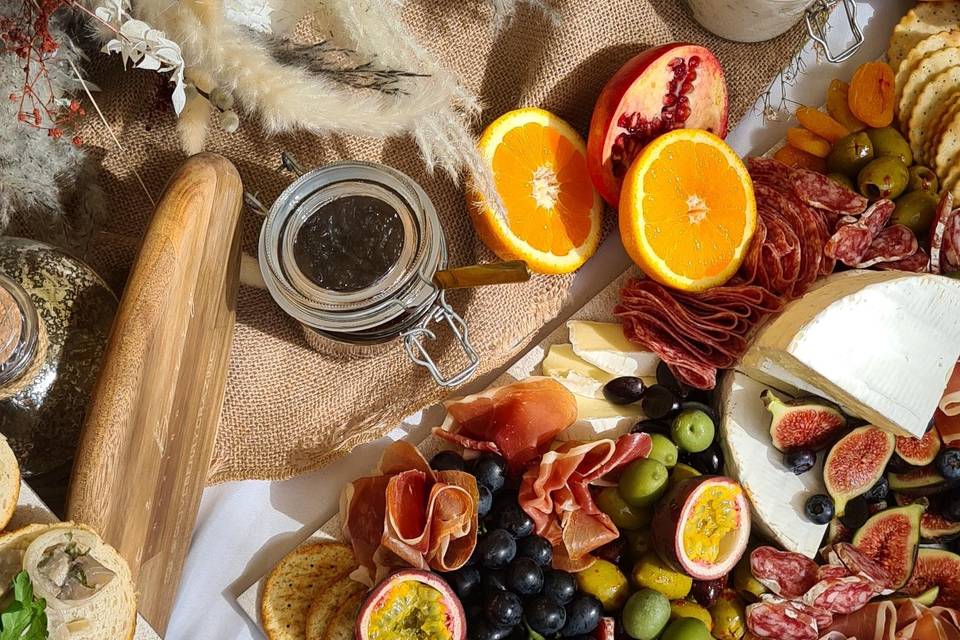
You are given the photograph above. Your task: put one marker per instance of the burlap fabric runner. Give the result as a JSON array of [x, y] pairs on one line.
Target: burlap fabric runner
[[289, 409]]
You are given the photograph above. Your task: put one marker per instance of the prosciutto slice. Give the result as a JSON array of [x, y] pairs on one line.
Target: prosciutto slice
[[950, 402], [886, 620], [409, 516], [518, 421], [556, 495]]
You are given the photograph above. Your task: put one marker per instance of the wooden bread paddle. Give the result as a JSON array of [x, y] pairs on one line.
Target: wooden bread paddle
[[150, 426]]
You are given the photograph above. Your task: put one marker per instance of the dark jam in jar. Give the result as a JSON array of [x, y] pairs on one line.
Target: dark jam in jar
[[349, 243]]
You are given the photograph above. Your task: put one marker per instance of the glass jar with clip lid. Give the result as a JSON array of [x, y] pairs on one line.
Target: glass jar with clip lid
[[352, 251]]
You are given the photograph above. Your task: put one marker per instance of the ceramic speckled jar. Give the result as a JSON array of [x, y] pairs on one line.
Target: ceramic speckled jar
[[55, 317]]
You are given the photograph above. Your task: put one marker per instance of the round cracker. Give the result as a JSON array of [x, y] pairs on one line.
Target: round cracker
[[926, 46], [322, 609], [343, 622], [929, 108], [929, 67], [937, 128], [948, 148], [925, 19]]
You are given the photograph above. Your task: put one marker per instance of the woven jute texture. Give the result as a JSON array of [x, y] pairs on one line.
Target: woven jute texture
[[289, 409]]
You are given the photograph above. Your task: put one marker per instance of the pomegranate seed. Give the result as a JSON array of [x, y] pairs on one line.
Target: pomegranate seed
[[673, 63], [684, 100], [669, 100], [694, 62], [623, 121], [687, 87], [683, 112], [691, 75]]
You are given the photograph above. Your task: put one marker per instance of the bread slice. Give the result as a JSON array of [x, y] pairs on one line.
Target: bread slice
[[296, 582], [325, 606], [9, 483], [110, 613], [341, 626]]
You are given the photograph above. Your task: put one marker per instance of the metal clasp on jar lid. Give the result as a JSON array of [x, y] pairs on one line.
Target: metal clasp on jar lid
[[816, 17]]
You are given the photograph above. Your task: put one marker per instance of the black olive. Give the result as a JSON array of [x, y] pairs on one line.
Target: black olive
[[448, 461], [537, 549], [490, 470], [624, 390], [708, 462], [666, 378], [659, 402], [652, 426]]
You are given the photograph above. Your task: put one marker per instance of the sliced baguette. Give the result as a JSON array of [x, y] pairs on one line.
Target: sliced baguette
[[341, 626], [325, 606], [110, 613], [9, 483]]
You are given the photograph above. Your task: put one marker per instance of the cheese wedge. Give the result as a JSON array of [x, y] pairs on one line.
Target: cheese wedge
[[603, 345], [576, 374], [597, 418], [776, 495], [881, 344]]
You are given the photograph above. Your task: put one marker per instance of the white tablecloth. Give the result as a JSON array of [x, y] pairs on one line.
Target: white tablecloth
[[245, 527]]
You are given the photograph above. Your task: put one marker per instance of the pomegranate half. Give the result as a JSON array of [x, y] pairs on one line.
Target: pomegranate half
[[702, 526], [664, 88], [411, 604]]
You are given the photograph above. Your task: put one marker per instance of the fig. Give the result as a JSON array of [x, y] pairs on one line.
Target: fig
[[664, 88], [702, 526], [892, 538], [919, 481], [802, 423], [411, 603], [838, 532], [936, 568], [855, 463], [919, 451], [934, 528]]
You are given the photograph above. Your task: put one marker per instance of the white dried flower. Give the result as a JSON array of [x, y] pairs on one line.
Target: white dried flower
[[229, 121], [221, 99]]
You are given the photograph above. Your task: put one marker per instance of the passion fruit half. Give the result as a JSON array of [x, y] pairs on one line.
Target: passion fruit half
[[412, 605], [702, 526]]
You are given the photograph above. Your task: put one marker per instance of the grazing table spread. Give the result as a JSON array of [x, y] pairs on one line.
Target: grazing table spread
[[244, 529]]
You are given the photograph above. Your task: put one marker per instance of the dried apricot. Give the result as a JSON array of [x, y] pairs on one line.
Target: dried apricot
[[808, 141], [871, 94], [793, 157], [838, 105], [821, 124]]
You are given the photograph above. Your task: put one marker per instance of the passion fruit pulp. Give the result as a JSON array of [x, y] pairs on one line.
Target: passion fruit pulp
[[412, 605]]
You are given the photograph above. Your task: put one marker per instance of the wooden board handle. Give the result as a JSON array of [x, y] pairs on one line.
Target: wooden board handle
[[150, 426]]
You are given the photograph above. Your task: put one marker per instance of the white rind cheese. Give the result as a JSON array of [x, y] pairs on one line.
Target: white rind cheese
[[777, 495], [603, 345], [881, 344], [576, 374], [597, 418]]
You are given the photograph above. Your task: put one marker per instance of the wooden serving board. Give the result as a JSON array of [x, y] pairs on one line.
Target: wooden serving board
[[150, 427]]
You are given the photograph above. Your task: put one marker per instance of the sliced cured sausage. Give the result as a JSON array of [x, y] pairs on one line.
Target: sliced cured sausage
[[841, 596], [785, 573], [821, 192], [894, 243], [780, 621], [937, 230]]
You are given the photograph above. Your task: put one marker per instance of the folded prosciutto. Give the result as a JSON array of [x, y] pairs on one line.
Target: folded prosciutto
[[408, 515], [518, 421], [886, 620], [947, 417], [556, 494]]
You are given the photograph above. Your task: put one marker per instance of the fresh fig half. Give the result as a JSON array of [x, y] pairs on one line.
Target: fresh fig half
[[892, 538], [412, 603], [855, 463], [934, 528], [664, 88], [936, 568], [702, 526], [919, 481], [919, 451], [802, 423]]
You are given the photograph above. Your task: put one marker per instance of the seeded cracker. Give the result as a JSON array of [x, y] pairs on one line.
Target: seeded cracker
[[344, 620], [931, 103], [325, 606], [938, 127], [929, 67], [948, 148], [925, 47], [926, 19]]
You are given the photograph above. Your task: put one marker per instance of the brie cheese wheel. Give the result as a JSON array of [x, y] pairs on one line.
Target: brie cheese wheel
[[777, 496], [597, 418], [603, 345], [576, 374], [881, 344]]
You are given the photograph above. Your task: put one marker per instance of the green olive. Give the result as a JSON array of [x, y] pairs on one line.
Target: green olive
[[923, 179], [885, 177], [843, 180], [953, 274], [850, 154], [916, 209], [888, 142]]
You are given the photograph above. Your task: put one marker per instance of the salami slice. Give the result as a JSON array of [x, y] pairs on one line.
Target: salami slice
[[831, 571], [841, 596], [785, 573], [876, 217], [860, 564], [919, 262], [894, 243], [937, 229], [781, 621], [950, 251], [771, 172], [821, 192], [844, 220], [849, 244]]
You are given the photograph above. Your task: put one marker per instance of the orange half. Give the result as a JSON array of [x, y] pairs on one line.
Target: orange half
[[687, 210], [551, 213]]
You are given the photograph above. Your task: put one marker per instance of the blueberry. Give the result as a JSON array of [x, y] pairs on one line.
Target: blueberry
[[490, 470], [624, 390], [496, 549], [545, 616], [878, 492], [537, 549], [503, 608], [559, 586], [525, 577], [856, 513], [659, 402], [515, 521], [493, 580], [482, 630], [948, 464], [653, 426], [819, 509], [583, 616], [800, 461], [465, 582], [448, 461], [485, 502]]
